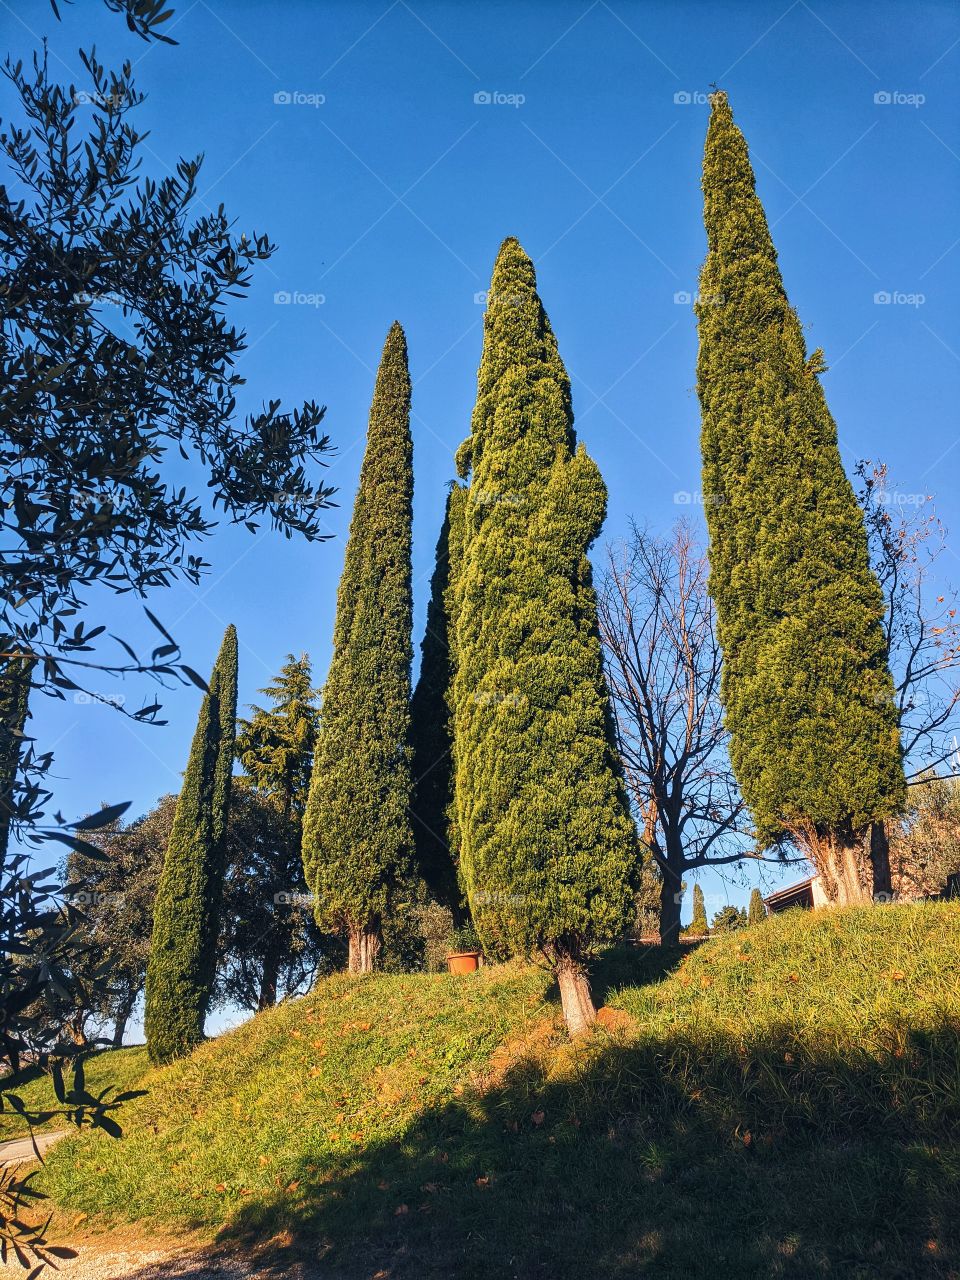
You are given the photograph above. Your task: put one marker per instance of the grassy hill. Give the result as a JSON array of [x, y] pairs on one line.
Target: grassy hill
[[783, 1101]]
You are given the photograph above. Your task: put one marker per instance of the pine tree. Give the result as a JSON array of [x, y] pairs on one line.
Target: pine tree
[[431, 723], [357, 836], [809, 697], [698, 926], [757, 911], [275, 749], [186, 915], [547, 849]]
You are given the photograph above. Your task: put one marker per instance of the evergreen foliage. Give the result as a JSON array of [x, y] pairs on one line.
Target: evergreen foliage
[[547, 848], [268, 943], [357, 835], [431, 722], [808, 694], [757, 911], [698, 926], [186, 916]]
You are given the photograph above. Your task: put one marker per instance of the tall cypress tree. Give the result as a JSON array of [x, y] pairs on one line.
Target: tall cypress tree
[[809, 697], [186, 914], [547, 847], [431, 721], [357, 839]]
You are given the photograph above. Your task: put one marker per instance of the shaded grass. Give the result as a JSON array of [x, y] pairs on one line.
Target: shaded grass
[[108, 1072], [783, 1102]]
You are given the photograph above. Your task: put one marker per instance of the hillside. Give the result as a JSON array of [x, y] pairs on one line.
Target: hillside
[[783, 1101]]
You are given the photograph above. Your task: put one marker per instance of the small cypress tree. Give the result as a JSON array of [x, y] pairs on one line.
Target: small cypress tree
[[809, 697], [357, 838], [431, 723], [698, 926], [275, 750], [548, 851], [186, 914], [757, 911]]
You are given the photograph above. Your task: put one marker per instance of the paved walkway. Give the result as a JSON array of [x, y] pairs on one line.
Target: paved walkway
[[20, 1150]]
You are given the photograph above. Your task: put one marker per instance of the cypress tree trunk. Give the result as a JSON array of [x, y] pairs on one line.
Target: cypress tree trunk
[[269, 981], [357, 838], [547, 848], [579, 1011], [186, 915], [365, 942], [808, 695]]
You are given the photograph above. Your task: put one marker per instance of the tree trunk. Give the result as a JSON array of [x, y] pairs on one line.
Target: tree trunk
[[670, 898], [578, 1008], [120, 1024], [365, 944], [880, 862], [268, 981], [843, 865]]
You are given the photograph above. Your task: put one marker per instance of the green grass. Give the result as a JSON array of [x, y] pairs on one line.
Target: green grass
[[107, 1072], [781, 1102]]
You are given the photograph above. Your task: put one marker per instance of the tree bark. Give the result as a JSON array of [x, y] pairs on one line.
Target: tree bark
[[579, 1011], [670, 891], [365, 944], [880, 862], [120, 1023], [843, 865], [267, 997]]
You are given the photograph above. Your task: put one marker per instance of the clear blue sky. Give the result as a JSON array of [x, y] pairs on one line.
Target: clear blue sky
[[391, 197]]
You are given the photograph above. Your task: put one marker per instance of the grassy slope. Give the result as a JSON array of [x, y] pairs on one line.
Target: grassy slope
[[110, 1072], [786, 1102]]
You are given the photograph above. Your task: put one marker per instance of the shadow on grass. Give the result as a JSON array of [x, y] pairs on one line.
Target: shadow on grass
[[666, 1158]]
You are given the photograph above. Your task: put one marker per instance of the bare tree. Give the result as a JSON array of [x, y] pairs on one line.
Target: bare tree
[[906, 538], [663, 668]]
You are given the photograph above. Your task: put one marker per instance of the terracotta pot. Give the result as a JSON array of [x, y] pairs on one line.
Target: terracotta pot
[[463, 961]]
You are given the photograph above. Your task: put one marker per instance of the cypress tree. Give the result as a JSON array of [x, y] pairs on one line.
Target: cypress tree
[[186, 914], [547, 848], [757, 911], [357, 838], [809, 697], [431, 722], [698, 926]]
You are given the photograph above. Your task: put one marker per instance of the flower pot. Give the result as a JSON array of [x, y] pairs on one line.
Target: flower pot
[[463, 961]]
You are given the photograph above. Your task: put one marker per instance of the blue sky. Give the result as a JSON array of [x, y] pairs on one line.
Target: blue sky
[[353, 134]]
